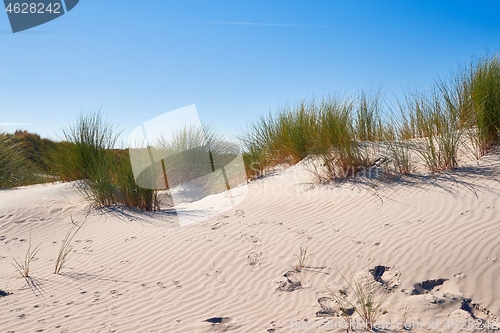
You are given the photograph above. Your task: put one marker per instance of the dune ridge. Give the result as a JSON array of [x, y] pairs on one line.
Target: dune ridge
[[142, 272]]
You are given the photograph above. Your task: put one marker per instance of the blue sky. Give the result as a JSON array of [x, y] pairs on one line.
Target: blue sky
[[236, 60]]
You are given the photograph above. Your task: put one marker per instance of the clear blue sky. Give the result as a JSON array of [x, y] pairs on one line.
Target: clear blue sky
[[236, 60]]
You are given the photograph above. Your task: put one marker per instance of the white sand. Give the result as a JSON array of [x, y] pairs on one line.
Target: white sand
[[142, 272]]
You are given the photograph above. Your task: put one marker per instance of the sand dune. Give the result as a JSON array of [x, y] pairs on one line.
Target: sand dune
[[432, 243]]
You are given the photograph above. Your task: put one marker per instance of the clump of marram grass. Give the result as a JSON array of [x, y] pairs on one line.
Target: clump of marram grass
[[16, 169], [368, 303], [104, 175], [484, 88], [302, 258], [287, 137], [11, 160], [338, 131], [439, 127], [23, 267], [346, 134], [66, 246], [342, 155]]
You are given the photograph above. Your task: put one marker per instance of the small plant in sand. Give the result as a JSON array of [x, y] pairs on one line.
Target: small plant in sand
[[345, 307], [66, 246], [23, 267], [368, 304], [406, 312], [302, 258]]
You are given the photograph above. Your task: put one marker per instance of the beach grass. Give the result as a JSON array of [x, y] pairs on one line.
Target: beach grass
[[368, 302], [66, 246], [348, 135], [21, 160], [287, 137], [102, 173], [302, 258], [484, 86]]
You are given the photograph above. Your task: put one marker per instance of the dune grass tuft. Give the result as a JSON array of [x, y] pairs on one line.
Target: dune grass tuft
[[485, 95], [66, 246], [302, 258], [104, 175], [368, 304], [461, 114], [23, 267], [16, 166]]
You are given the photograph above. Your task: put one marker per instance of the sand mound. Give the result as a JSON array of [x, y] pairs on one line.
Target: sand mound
[[429, 242]]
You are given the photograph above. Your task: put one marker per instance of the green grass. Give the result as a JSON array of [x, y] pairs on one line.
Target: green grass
[[331, 130], [287, 137], [485, 95], [461, 114], [342, 154], [11, 160], [346, 135], [21, 160], [437, 122], [104, 175]]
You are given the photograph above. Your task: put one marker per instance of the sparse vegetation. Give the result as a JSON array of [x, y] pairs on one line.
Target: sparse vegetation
[[349, 135], [104, 175], [302, 258], [23, 267], [66, 246], [346, 136], [368, 303]]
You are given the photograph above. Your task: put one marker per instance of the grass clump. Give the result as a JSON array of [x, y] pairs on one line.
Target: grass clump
[[302, 258], [438, 128], [104, 174], [332, 130], [484, 87], [368, 303], [347, 135], [23, 267], [66, 247], [90, 158], [20, 160], [341, 153], [287, 137], [11, 161]]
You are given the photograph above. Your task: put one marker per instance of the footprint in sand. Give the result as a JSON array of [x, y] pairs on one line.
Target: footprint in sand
[[460, 275], [219, 225], [250, 238], [425, 287], [294, 281], [253, 258], [328, 307], [177, 284], [389, 278], [492, 259]]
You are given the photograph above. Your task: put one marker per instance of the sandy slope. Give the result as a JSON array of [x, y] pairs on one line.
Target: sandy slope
[[134, 272]]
